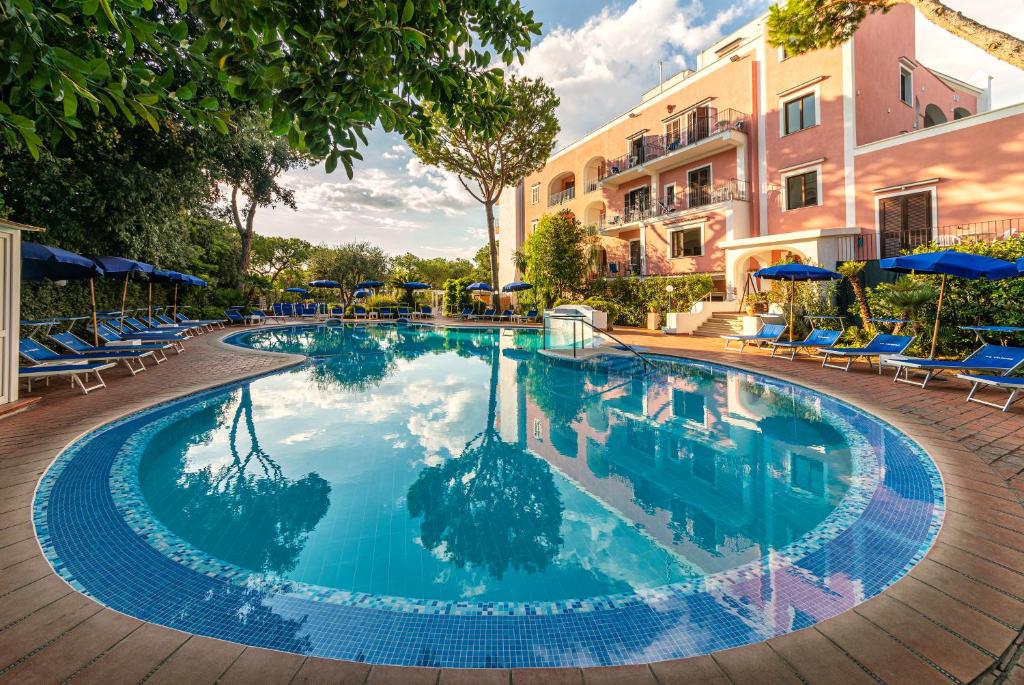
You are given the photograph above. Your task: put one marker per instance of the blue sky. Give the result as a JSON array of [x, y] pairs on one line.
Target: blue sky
[[599, 57]]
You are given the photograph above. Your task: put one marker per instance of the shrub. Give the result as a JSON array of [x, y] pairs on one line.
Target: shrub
[[632, 298], [455, 295]]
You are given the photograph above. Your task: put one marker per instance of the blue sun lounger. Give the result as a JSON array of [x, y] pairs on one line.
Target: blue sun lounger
[[1012, 384], [768, 333], [485, 314], [817, 338], [110, 336], [162, 320], [78, 372], [37, 353], [881, 344], [72, 343], [987, 358], [219, 323], [466, 313]]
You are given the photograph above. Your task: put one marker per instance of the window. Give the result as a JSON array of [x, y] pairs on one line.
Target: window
[[688, 405], [807, 474], [687, 242], [800, 114], [802, 190], [669, 196], [906, 85], [533, 225], [783, 53], [535, 193], [674, 132]]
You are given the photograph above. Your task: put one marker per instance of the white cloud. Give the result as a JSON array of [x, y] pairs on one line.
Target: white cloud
[[396, 152], [603, 67]]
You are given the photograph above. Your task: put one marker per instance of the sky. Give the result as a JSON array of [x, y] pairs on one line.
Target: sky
[[599, 57]]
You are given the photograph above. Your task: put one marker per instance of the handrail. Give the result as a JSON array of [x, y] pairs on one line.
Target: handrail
[[568, 317]]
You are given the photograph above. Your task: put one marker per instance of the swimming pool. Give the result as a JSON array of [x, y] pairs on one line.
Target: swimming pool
[[453, 497]]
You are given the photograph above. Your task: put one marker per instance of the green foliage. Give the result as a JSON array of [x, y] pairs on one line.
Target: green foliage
[[322, 71], [272, 255], [378, 301], [801, 26], [432, 270], [348, 264], [455, 295], [634, 297], [557, 256]]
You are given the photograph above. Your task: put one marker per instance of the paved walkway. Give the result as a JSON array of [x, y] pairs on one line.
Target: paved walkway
[[957, 616]]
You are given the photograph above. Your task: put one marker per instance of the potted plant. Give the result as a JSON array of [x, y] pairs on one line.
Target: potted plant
[[756, 303]]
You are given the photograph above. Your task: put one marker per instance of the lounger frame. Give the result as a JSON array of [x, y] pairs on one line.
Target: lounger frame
[[1016, 391]]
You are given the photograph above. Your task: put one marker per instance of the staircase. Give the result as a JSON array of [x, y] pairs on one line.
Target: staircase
[[721, 323]]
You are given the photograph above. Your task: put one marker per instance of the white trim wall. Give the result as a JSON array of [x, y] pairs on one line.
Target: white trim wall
[[10, 312], [849, 132]]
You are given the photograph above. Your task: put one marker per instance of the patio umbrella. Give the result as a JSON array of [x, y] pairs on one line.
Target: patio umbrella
[[361, 292], [479, 286], [369, 284], [414, 285], [39, 262], [301, 292], [120, 265], [516, 286], [175, 277], [794, 273], [949, 263], [324, 284]]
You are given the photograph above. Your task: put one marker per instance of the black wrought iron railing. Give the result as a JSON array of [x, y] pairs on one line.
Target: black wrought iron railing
[[880, 245], [697, 128]]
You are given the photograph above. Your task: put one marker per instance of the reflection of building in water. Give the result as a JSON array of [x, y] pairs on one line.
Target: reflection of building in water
[[714, 468]]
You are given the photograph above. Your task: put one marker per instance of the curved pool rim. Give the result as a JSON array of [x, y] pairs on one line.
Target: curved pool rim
[[469, 609]]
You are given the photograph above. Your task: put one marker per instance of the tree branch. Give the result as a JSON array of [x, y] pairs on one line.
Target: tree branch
[[999, 44]]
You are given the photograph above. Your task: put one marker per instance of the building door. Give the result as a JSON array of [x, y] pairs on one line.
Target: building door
[[904, 222], [638, 201], [698, 123], [634, 257], [698, 186], [637, 151]]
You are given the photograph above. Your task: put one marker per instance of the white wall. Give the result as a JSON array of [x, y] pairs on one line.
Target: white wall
[[10, 314]]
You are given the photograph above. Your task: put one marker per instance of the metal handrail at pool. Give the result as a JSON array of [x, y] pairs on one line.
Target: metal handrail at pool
[[582, 320]]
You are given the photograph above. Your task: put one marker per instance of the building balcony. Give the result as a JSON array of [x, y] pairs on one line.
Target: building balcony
[[707, 135], [562, 197], [871, 245], [591, 186], [694, 198]]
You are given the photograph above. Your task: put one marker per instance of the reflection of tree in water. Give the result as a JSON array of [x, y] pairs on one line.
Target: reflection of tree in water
[[247, 499], [495, 506], [358, 360]]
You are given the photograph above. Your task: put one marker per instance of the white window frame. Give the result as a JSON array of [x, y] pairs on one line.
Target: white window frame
[[910, 73], [535, 193], [675, 192], [678, 119], [700, 225], [799, 171], [799, 95], [782, 54]]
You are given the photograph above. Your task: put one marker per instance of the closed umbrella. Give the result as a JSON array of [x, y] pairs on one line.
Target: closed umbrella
[[794, 273], [949, 263], [39, 262]]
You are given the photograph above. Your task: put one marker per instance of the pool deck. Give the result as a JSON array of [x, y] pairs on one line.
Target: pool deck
[[957, 617]]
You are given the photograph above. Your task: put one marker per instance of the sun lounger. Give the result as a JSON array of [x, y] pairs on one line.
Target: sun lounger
[[485, 314], [140, 326], [768, 333], [1012, 384], [385, 313], [880, 345], [404, 312], [76, 345], [426, 312], [528, 317], [219, 323], [77, 371], [235, 316], [987, 358], [37, 353], [817, 338], [358, 311], [193, 327], [466, 313], [110, 336], [506, 315]]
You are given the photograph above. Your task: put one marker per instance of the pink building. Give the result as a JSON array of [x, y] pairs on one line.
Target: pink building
[[855, 152]]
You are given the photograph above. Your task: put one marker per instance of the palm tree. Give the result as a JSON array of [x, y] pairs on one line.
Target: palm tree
[[852, 271], [909, 297]]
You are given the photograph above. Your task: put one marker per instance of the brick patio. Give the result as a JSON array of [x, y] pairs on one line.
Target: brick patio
[[957, 616]]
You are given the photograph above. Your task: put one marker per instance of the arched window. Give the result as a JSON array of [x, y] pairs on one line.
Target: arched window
[[933, 115], [961, 112]]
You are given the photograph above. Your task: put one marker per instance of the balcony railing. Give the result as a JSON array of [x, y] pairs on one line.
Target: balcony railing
[[869, 245], [590, 187], [564, 196], [697, 129], [693, 198]]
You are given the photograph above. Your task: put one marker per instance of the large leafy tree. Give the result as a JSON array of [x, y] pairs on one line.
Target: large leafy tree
[[271, 255], [349, 264], [322, 70], [804, 25], [486, 160], [249, 162], [557, 255]]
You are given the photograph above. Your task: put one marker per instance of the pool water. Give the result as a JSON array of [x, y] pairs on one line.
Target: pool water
[[428, 473]]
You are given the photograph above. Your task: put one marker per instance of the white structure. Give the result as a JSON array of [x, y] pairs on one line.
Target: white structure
[[10, 306]]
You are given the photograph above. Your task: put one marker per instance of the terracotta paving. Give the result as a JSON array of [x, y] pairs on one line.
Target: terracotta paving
[[956, 617]]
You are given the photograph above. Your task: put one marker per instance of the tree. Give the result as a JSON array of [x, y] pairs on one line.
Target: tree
[[852, 271], [800, 26], [490, 159], [249, 162], [271, 255], [322, 71], [557, 255], [348, 265], [482, 264]]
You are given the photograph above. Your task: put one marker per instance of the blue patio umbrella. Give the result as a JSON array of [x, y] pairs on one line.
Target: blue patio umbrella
[[324, 283], [1020, 265], [40, 262], [300, 291], [416, 285], [121, 265], [949, 263], [479, 286], [794, 273], [369, 284], [361, 292], [516, 286]]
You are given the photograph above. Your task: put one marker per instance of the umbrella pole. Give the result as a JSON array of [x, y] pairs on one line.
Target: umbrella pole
[[938, 313], [150, 305], [124, 299], [95, 324], [175, 310], [792, 293]]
